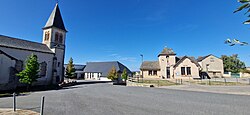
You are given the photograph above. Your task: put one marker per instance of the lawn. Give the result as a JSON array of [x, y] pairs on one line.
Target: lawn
[[158, 82]]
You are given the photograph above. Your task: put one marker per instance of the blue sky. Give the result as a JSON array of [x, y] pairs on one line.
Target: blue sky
[[109, 30]]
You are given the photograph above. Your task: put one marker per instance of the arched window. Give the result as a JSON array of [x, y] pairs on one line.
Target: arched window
[[19, 65], [46, 35], [61, 38], [56, 37], [43, 69]]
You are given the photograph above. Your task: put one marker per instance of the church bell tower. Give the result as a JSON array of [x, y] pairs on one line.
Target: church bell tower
[[54, 36]]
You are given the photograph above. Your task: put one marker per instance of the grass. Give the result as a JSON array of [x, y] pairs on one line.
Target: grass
[[5, 95], [11, 94], [158, 82]]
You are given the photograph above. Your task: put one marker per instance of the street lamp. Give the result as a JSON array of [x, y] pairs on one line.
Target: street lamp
[[141, 63]]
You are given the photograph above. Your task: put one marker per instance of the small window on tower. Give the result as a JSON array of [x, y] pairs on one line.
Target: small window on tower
[[61, 38], [56, 37], [47, 36]]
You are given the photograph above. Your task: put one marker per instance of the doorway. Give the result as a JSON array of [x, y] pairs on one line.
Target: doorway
[[168, 72]]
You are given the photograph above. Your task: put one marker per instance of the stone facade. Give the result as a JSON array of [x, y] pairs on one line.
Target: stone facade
[[169, 66], [212, 65]]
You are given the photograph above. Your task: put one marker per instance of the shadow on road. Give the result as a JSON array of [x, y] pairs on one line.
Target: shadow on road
[[21, 91]]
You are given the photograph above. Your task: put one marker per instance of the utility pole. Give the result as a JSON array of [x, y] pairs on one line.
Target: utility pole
[[141, 63]]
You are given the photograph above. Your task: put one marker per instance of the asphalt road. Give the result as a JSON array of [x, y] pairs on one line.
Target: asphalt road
[[106, 99]]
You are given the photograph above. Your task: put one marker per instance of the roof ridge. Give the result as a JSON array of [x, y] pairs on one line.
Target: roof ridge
[[151, 61], [103, 61], [22, 39]]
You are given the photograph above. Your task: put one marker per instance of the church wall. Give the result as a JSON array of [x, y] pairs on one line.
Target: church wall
[[5, 64], [60, 63], [42, 57]]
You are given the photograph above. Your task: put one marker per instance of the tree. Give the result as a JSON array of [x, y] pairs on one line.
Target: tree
[[245, 6], [245, 71], [232, 63], [112, 75], [70, 70], [30, 73], [124, 74]]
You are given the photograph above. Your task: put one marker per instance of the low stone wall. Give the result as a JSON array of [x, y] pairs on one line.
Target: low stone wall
[[138, 84]]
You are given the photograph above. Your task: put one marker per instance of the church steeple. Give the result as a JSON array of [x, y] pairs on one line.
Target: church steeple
[[55, 19], [54, 32]]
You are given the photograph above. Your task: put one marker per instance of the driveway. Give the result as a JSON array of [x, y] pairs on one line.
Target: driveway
[[106, 99]]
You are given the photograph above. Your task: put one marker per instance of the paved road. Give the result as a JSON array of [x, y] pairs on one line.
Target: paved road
[[106, 99]]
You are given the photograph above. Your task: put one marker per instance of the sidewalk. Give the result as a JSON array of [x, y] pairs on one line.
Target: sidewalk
[[239, 90]]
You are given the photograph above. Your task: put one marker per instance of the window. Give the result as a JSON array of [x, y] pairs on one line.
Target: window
[[61, 38], [54, 62], [183, 71], [188, 70], [46, 36], [43, 69], [58, 64], [56, 37], [155, 73], [211, 59], [19, 65], [150, 72]]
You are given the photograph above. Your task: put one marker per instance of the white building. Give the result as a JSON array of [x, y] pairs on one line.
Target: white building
[[50, 53], [100, 70]]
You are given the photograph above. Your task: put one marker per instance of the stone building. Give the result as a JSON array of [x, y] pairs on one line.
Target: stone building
[[169, 66]]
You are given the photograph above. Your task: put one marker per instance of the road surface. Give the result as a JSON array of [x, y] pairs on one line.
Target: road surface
[[106, 99]]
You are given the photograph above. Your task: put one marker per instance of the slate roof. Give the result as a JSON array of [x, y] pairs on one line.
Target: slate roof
[[11, 42], [150, 65], [167, 51], [12, 58], [204, 57], [105, 67], [55, 19], [77, 67], [190, 58]]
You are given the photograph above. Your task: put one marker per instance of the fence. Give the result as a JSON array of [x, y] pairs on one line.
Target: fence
[[214, 81], [235, 75]]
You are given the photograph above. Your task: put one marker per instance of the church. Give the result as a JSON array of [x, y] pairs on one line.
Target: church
[[50, 53]]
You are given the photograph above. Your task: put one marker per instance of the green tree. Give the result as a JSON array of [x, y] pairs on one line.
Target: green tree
[[70, 69], [30, 73], [112, 75], [245, 6], [124, 74], [232, 63], [245, 71]]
